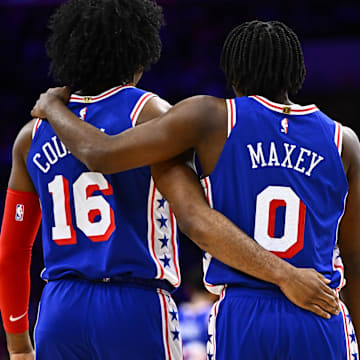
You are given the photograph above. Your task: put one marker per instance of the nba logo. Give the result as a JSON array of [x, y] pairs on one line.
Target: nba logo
[[19, 212], [284, 125], [83, 113]]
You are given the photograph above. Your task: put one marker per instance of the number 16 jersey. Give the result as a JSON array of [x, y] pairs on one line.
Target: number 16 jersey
[[99, 226], [280, 179]]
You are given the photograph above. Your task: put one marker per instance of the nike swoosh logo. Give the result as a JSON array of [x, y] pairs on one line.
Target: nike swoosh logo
[[13, 319]]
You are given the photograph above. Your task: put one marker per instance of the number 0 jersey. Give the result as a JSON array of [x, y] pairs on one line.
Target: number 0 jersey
[[100, 226], [280, 179]]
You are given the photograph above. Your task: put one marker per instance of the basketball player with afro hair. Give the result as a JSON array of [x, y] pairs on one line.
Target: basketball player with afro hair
[[277, 170]]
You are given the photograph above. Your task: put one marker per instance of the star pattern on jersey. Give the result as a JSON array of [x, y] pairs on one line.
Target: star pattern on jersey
[[210, 356], [161, 203], [164, 241], [162, 221], [173, 314], [353, 346], [165, 260], [176, 334], [209, 336], [353, 337], [163, 233]]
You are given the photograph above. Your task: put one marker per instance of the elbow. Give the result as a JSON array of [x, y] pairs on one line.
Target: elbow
[[94, 160], [192, 224]]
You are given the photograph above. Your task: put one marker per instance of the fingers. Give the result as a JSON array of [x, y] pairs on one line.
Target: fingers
[[328, 304], [318, 311], [62, 93], [34, 112], [327, 299], [323, 278]]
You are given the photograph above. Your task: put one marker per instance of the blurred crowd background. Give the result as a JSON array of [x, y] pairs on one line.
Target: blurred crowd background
[[192, 40]]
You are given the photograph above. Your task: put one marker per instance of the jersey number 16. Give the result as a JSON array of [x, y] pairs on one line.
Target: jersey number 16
[[93, 214]]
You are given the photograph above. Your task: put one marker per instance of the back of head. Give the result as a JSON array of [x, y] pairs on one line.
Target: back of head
[[263, 58], [98, 44]]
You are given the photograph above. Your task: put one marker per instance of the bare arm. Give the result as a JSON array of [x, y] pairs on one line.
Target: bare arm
[[349, 241], [148, 144], [214, 233]]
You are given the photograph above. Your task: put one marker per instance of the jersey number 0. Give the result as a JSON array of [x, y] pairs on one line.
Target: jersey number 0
[[267, 203], [93, 214]]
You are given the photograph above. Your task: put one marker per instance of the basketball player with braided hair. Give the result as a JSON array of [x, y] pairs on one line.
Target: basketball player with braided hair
[[109, 241], [286, 174]]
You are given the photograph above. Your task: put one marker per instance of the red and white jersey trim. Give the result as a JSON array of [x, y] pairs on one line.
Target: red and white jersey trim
[[293, 109], [337, 261], [162, 237], [352, 349], [338, 266], [215, 289], [338, 137], [170, 327], [231, 111], [139, 106], [102, 96], [211, 344], [36, 127]]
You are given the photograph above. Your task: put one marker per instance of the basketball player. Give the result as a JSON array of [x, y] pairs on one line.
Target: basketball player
[[286, 174], [110, 246]]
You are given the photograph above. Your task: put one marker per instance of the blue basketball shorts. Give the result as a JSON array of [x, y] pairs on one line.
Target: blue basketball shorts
[[84, 320], [252, 324]]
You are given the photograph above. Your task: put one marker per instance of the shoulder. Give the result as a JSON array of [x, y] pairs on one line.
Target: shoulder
[[351, 150], [205, 105], [154, 107], [23, 140], [19, 176], [202, 111]]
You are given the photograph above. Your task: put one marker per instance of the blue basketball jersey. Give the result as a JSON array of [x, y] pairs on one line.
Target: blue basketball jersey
[[280, 179], [99, 226]]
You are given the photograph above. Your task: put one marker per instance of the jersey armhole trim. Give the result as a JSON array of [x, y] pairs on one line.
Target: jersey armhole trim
[[139, 106], [36, 127], [338, 137], [230, 106]]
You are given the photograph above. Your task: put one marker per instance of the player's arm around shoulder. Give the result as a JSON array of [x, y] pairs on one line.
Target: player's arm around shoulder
[[183, 127], [19, 227], [166, 136], [349, 239]]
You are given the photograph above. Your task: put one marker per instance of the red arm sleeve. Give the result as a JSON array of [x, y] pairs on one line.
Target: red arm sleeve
[[21, 221]]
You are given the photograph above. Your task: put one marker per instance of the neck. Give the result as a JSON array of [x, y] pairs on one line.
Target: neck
[[100, 89], [281, 98]]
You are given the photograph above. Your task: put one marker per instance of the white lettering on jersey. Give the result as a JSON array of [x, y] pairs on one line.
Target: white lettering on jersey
[[273, 158], [50, 154], [256, 157], [288, 152], [301, 159], [314, 162], [305, 160]]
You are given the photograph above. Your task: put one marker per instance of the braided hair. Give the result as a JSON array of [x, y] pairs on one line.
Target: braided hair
[[263, 58], [98, 44]]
